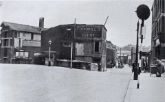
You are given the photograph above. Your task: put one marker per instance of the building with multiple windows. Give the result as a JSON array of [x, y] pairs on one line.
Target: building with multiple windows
[[19, 41], [80, 41], [158, 29]]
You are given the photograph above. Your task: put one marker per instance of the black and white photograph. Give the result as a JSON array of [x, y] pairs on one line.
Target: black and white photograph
[[82, 50]]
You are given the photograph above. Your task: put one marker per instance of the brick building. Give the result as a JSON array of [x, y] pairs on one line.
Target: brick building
[[111, 54], [88, 42], [158, 29], [19, 42]]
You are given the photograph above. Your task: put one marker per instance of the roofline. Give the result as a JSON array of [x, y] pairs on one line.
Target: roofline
[[23, 25], [19, 24], [83, 24]]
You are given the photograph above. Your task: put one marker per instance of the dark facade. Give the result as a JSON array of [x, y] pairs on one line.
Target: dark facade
[[19, 42], [111, 54], [158, 29], [88, 42]]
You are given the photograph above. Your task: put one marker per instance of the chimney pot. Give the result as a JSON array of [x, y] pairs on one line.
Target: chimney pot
[[41, 22]]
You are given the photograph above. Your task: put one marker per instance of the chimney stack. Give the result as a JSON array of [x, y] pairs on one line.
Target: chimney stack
[[41, 22]]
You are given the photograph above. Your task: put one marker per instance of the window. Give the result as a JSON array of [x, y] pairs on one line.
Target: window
[[5, 35], [32, 36], [24, 35], [66, 44], [6, 42], [5, 52], [97, 45], [37, 37], [79, 48], [22, 54], [11, 42], [18, 34]]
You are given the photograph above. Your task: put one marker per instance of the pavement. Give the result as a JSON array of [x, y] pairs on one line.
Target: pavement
[[35, 83], [152, 89]]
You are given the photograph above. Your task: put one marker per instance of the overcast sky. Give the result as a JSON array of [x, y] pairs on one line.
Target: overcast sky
[[121, 24]]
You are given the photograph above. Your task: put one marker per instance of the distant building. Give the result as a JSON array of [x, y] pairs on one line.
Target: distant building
[[111, 54], [158, 29], [123, 56], [89, 42], [19, 42]]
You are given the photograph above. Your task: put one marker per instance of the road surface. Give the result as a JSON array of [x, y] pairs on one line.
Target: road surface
[[35, 83]]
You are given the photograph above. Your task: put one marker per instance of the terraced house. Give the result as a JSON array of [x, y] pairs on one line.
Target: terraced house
[[20, 42], [158, 29]]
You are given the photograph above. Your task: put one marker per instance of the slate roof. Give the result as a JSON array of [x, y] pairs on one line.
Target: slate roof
[[21, 27]]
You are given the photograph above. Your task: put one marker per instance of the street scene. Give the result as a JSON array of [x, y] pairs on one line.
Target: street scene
[[82, 51]]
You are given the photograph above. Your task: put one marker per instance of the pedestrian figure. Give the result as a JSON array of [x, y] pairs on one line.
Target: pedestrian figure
[[133, 67]]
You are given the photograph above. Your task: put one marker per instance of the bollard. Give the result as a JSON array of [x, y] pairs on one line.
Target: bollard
[[49, 63], [138, 85]]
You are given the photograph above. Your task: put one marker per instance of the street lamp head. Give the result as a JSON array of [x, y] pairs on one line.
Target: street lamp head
[[50, 42], [143, 12]]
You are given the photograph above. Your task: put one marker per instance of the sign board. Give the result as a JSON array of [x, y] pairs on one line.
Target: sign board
[[157, 43]]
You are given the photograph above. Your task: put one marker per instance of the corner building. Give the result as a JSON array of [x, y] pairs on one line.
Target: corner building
[[158, 30], [88, 42]]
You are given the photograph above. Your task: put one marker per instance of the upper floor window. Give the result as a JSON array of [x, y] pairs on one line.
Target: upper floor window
[[32, 36], [66, 44], [25, 36], [36, 37], [7, 42], [97, 46]]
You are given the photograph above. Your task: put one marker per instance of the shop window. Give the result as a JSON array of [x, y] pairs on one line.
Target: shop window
[[22, 54]]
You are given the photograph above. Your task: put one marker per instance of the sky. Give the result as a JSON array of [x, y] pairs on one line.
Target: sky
[[121, 25]]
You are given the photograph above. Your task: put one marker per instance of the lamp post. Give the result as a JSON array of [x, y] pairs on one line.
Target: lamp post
[[19, 54], [137, 50], [71, 48], [71, 54], [50, 42], [143, 13]]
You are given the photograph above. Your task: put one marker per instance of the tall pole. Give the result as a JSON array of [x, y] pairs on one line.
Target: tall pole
[[49, 62], [71, 54], [137, 49], [106, 20], [19, 55], [120, 56], [141, 37], [143, 13], [49, 56], [131, 55], [71, 45]]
